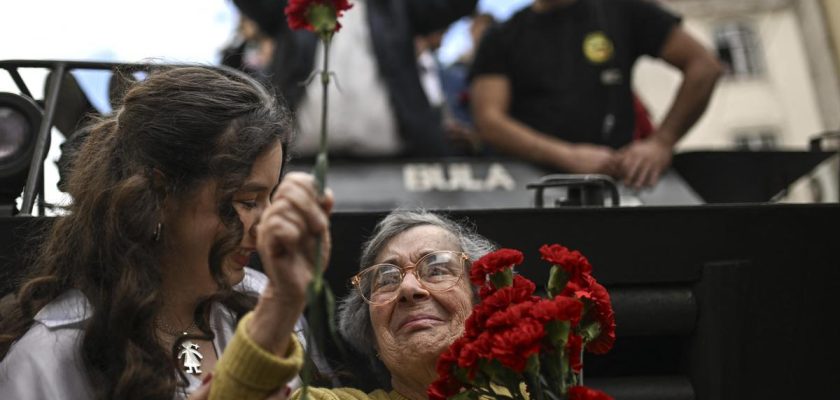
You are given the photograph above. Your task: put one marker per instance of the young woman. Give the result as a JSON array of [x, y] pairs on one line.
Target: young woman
[[136, 292]]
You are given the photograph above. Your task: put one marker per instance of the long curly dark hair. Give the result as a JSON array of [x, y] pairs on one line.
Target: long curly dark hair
[[190, 124]]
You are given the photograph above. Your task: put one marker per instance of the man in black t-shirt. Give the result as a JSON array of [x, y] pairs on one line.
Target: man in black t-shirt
[[553, 85]]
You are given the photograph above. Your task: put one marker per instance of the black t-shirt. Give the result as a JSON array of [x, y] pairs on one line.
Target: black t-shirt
[[570, 67]]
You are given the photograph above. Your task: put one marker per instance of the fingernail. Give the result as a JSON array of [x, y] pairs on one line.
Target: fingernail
[[207, 378]]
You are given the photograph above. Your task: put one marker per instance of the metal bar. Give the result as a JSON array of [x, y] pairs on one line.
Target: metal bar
[[19, 82], [41, 145], [41, 201], [71, 65], [616, 199]]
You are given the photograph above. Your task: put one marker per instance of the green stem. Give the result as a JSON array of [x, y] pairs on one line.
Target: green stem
[[322, 163], [535, 386], [320, 172], [580, 374]]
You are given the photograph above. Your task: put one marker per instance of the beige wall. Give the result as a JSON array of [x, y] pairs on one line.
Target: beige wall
[[783, 99], [831, 9]]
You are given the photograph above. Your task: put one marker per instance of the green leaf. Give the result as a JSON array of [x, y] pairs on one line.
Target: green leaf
[[502, 279], [460, 373], [467, 395], [533, 365], [558, 333], [534, 386], [557, 280], [590, 331]]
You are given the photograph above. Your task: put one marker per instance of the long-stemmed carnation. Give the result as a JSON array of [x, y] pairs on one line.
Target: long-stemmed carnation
[[320, 17]]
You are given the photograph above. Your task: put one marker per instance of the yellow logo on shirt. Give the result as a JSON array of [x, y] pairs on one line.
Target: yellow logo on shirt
[[597, 47]]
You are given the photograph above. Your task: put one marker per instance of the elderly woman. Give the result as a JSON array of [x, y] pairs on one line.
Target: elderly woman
[[137, 291], [411, 300]]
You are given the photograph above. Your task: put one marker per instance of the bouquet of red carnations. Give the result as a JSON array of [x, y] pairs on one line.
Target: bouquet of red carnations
[[517, 345]]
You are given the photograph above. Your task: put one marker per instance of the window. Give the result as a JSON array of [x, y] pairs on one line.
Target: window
[[756, 139], [739, 49]]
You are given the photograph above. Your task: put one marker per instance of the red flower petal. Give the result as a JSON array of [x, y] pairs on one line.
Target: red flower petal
[[573, 262], [585, 393], [494, 262], [297, 12]]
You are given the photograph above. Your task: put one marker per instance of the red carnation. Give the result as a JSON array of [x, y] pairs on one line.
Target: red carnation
[[560, 308], [299, 14], [585, 393], [512, 347], [605, 316], [448, 358], [486, 290], [588, 289], [494, 262], [574, 263], [510, 316], [446, 385], [444, 388], [473, 351], [521, 290]]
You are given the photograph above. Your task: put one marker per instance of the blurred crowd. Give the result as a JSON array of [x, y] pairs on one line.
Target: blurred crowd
[[551, 85]]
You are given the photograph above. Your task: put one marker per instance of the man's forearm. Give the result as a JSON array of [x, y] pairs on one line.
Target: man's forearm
[[511, 136], [692, 98]]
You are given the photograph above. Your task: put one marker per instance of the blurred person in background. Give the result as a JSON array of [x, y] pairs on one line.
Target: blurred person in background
[[380, 109], [460, 136], [553, 85], [460, 126], [251, 50]]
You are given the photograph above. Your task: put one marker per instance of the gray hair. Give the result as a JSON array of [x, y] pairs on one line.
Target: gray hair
[[354, 314]]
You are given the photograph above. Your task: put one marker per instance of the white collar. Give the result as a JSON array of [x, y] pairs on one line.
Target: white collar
[[72, 307], [69, 308]]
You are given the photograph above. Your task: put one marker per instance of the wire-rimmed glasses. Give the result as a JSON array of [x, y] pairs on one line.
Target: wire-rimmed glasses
[[437, 271]]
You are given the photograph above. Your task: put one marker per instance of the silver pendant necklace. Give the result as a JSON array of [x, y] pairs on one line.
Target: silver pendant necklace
[[189, 350]]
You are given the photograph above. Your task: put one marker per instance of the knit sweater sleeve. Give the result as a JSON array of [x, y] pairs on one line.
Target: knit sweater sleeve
[[247, 371], [343, 394]]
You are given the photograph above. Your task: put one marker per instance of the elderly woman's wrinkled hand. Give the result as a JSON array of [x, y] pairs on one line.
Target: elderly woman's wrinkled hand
[[287, 235]]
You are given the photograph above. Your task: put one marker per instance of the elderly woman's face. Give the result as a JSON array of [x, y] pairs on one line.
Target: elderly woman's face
[[419, 322]]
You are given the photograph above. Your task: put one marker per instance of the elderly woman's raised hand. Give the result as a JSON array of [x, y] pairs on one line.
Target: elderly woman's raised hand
[[286, 241]]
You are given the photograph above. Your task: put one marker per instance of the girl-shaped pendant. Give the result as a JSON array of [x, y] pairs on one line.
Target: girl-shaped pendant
[[192, 357]]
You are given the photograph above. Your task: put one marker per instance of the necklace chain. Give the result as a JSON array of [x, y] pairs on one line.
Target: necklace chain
[[169, 330]]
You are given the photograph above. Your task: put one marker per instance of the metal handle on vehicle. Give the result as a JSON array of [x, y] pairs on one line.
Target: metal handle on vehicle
[[573, 181]]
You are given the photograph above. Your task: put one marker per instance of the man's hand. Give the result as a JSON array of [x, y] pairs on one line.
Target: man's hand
[[585, 158], [642, 162]]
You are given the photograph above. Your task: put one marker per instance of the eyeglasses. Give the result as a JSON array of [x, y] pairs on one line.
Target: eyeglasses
[[437, 271]]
